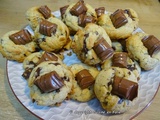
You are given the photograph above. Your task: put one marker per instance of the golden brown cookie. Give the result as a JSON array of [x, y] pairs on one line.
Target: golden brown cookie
[[17, 45], [120, 24], [92, 45], [78, 92], [52, 34], [145, 51]]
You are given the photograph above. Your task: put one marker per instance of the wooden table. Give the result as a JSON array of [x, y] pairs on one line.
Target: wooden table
[[12, 17]]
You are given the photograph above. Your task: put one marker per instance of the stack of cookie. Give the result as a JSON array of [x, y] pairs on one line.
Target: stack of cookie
[[111, 54]]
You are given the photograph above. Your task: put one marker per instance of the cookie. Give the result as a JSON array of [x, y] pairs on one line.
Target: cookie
[[145, 49], [52, 35], [116, 89], [17, 45], [77, 15], [50, 83], [79, 93], [92, 45], [36, 14], [120, 24], [36, 58], [123, 61]]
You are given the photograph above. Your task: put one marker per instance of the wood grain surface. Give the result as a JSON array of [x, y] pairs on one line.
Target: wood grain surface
[[12, 17]]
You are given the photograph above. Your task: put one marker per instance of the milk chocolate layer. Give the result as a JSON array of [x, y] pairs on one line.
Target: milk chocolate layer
[[78, 8], [124, 88], [120, 60], [100, 11], [84, 79], [47, 56], [63, 10], [46, 12], [49, 82], [118, 18], [21, 38], [83, 20], [152, 44], [47, 28], [103, 49]]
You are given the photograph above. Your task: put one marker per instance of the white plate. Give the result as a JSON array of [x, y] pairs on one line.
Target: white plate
[[71, 110]]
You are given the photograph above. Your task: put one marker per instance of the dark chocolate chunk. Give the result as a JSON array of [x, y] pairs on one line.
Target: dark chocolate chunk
[[46, 12], [47, 28], [38, 72], [83, 20], [120, 60], [118, 18], [103, 49], [152, 44], [124, 88], [49, 82], [84, 79], [21, 38], [27, 73], [85, 49], [78, 8], [63, 10], [100, 11], [47, 56]]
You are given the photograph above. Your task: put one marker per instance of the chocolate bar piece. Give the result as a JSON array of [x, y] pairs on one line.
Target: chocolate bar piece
[[78, 8], [49, 82], [47, 28], [152, 44], [124, 88], [84, 79], [83, 20], [47, 56], [63, 10], [100, 11], [118, 18], [103, 49], [21, 38], [120, 60], [46, 12]]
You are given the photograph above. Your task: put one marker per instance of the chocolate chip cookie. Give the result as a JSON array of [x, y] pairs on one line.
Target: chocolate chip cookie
[[116, 89], [84, 78], [50, 83], [17, 45], [77, 15], [145, 49], [119, 24], [92, 45], [52, 35]]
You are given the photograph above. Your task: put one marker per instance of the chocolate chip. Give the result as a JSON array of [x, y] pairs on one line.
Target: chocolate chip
[[118, 18], [49, 82], [38, 72], [21, 38], [47, 28], [78, 8], [85, 49], [100, 11], [152, 44], [84, 79], [124, 88], [103, 49], [46, 12], [27, 73]]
